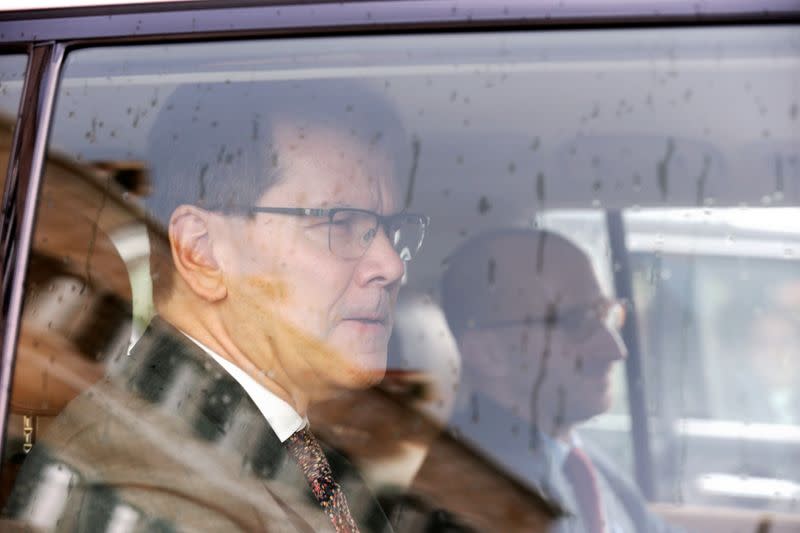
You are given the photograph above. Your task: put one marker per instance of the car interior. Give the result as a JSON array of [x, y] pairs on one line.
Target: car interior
[[668, 155]]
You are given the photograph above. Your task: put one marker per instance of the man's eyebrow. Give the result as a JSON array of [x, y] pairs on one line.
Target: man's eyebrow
[[344, 205], [601, 300], [594, 303], [337, 205]]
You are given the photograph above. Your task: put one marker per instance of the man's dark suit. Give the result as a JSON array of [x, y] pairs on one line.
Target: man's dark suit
[[170, 441], [524, 454]]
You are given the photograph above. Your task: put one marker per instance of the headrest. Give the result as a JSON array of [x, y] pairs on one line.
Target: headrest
[[424, 361]]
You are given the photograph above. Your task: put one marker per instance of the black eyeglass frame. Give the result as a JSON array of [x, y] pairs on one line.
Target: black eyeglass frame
[[553, 319], [387, 222]]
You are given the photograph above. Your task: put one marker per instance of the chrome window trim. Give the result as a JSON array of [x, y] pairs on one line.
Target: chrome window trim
[[208, 18]]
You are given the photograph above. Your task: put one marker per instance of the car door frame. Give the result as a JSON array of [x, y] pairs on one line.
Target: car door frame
[[48, 36]]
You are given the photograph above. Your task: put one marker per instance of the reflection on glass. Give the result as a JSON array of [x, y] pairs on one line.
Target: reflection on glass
[[185, 323]]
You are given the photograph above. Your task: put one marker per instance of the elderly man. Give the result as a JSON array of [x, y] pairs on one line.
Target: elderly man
[[276, 289], [539, 340]]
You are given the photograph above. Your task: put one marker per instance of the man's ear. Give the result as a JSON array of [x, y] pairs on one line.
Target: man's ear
[[193, 253]]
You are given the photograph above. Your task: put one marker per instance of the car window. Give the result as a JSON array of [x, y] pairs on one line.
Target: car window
[[556, 267]]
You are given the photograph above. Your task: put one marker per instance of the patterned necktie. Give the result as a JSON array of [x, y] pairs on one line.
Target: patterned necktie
[[582, 476], [308, 454]]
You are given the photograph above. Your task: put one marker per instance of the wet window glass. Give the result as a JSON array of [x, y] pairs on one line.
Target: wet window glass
[[496, 281]]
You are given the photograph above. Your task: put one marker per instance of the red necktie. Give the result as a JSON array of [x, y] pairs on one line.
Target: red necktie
[[308, 454], [583, 478]]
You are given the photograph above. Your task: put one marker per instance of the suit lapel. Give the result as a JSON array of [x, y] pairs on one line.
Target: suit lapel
[[623, 499], [521, 450], [170, 371], [167, 369]]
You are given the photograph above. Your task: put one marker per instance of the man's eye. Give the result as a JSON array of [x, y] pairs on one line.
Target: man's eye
[[342, 221], [368, 236], [573, 321], [341, 226]]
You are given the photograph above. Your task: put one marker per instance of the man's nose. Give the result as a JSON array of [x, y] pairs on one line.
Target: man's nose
[[607, 342], [380, 264]]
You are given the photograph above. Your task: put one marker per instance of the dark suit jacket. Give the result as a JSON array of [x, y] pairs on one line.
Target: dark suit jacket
[[507, 441], [169, 441]]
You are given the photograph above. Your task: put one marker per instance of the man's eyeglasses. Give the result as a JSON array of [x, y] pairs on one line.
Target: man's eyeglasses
[[352, 230], [578, 323]]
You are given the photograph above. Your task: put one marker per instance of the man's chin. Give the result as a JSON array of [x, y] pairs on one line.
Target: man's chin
[[359, 370], [362, 354], [590, 406], [598, 388]]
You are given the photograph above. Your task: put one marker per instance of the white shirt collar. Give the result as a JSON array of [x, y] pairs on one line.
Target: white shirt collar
[[561, 449], [281, 416]]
